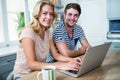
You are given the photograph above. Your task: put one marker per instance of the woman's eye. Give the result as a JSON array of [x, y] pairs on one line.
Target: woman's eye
[[52, 14], [45, 13]]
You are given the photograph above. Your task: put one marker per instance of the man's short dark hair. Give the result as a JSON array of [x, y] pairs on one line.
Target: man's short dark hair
[[74, 6]]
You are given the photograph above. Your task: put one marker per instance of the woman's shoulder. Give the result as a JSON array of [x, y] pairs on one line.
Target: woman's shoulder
[[27, 29]]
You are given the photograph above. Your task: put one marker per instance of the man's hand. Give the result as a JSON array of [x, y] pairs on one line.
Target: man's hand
[[82, 50]]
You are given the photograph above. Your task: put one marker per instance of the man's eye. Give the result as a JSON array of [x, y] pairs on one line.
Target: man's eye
[[69, 14], [76, 15]]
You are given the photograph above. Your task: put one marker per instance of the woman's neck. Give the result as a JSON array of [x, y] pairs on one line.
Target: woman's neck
[[42, 33]]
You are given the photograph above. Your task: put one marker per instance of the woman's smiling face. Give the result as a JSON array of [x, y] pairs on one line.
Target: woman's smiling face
[[46, 15]]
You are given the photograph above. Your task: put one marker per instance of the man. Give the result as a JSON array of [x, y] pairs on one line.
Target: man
[[67, 34]]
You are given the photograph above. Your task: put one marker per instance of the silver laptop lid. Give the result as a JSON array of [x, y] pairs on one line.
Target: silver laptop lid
[[93, 58]]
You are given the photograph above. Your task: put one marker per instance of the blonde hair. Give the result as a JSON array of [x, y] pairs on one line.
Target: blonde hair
[[35, 24]]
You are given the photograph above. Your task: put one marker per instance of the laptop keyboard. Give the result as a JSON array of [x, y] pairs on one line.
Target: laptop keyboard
[[72, 71]]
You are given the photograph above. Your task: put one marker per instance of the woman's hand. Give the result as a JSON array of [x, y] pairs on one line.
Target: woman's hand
[[78, 59], [74, 64]]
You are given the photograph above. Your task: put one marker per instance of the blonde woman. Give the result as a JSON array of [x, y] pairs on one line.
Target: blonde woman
[[35, 41]]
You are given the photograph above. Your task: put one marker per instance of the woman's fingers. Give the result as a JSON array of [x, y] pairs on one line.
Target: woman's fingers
[[79, 60], [74, 65]]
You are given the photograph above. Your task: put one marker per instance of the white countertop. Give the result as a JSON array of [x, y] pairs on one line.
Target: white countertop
[[8, 51]]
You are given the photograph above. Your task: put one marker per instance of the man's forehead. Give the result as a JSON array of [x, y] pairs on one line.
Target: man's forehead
[[71, 10]]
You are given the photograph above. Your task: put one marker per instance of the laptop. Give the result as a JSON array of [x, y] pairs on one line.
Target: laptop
[[92, 59]]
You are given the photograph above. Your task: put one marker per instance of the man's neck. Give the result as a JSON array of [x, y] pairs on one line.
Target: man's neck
[[69, 28]]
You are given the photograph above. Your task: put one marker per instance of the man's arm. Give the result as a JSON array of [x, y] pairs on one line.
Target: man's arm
[[85, 44], [63, 49], [56, 55]]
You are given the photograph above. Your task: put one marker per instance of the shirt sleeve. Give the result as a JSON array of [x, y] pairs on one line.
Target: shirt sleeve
[[82, 34], [27, 33]]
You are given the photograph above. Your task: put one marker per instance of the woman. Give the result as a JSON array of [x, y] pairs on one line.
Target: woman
[[35, 41]]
